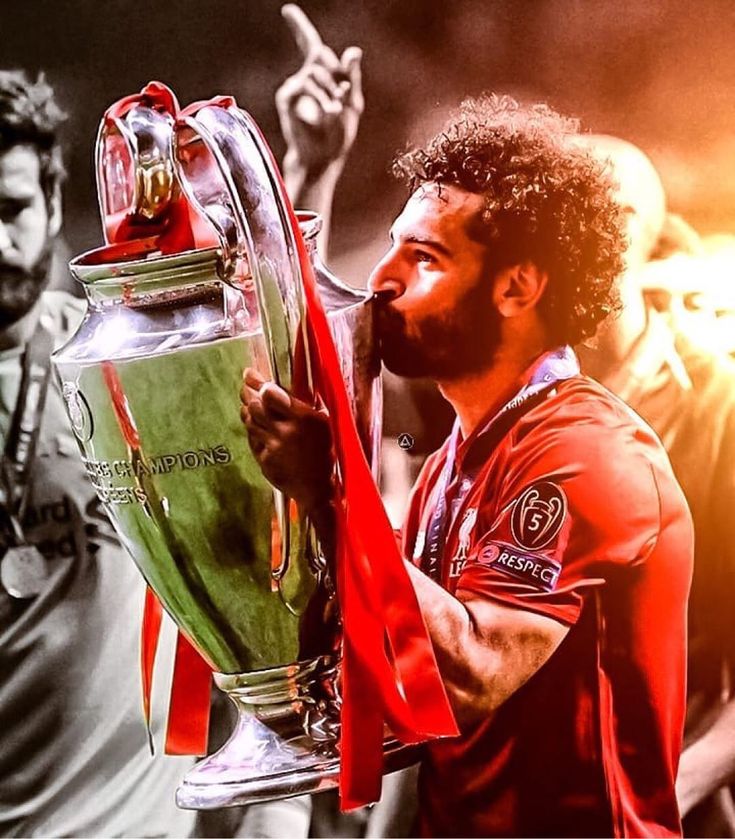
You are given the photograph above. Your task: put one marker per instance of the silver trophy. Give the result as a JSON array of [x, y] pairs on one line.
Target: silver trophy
[[152, 379]]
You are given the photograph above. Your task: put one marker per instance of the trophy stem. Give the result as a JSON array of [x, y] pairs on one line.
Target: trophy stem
[[285, 741]]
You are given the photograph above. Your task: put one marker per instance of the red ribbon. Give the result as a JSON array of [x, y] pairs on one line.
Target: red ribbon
[[188, 710], [179, 228], [150, 631], [397, 682], [189, 705]]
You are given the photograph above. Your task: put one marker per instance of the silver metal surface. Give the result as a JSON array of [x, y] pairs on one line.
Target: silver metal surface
[[135, 173], [285, 742], [152, 380]]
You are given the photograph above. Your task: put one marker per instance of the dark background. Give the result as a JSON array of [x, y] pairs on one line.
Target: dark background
[[659, 73]]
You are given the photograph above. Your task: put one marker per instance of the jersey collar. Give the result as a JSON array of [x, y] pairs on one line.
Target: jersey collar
[[548, 369]]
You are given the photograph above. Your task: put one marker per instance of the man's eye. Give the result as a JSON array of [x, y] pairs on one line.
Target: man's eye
[[10, 210], [423, 256]]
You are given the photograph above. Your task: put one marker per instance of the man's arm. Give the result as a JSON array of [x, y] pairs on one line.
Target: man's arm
[[319, 108], [485, 650], [708, 763]]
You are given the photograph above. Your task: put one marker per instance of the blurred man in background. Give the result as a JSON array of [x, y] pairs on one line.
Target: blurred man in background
[[74, 757], [691, 279], [687, 394]]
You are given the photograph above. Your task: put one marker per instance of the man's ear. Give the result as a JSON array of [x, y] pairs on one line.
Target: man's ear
[[55, 213], [518, 289]]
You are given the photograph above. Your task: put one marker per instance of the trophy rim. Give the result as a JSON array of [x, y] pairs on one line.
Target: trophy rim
[[91, 268]]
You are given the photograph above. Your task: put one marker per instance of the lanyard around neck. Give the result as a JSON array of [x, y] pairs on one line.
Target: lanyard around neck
[[555, 366], [21, 442], [494, 433]]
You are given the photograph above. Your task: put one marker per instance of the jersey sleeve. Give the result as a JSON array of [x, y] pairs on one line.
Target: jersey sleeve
[[575, 508]]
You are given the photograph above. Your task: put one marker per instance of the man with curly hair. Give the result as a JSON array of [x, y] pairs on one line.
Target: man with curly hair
[[74, 757], [548, 542]]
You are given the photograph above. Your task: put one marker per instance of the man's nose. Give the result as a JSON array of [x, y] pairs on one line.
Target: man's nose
[[385, 281]]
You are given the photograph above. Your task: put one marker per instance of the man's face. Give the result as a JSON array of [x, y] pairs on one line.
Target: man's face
[[25, 234], [440, 321]]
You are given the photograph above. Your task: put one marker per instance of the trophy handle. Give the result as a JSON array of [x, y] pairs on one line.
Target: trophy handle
[[227, 172], [136, 182], [225, 169]]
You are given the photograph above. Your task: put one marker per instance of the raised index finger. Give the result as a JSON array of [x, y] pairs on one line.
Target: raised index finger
[[307, 37]]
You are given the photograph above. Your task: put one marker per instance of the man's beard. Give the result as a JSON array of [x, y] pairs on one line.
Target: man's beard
[[440, 347], [20, 288]]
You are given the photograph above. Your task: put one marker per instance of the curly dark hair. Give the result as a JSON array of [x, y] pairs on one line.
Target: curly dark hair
[[547, 201], [30, 114]]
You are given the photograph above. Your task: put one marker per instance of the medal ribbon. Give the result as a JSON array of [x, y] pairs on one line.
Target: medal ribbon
[[25, 428]]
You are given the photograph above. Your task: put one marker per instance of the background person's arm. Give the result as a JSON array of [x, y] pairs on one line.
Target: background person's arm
[[708, 763], [319, 109]]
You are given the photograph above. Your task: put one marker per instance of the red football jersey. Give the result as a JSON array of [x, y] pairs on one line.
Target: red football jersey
[[574, 514]]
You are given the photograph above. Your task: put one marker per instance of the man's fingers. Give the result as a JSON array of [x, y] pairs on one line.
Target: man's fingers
[[305, 34], [351, 61], [258, 442], [253, 379], [292, 101], [308, 111], [335, 87], [308, 39], [276, 402], [258, 416], [311, 105], [330, 106], [257, 436]]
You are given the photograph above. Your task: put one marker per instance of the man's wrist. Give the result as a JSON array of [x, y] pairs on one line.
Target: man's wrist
[[322, 504], [300, 178]]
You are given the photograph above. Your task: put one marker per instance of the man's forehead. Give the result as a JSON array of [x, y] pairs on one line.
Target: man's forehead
[[443, 206], [20, 170]]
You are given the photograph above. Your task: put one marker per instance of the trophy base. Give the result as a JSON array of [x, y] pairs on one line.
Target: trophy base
[[284, 743]]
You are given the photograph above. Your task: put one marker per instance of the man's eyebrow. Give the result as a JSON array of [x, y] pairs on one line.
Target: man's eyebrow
[[429, 243]]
